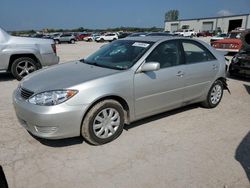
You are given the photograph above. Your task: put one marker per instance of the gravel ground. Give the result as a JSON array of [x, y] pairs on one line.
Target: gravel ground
[[188, 147]]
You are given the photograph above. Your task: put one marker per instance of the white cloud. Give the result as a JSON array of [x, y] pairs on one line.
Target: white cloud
[[224, 13]]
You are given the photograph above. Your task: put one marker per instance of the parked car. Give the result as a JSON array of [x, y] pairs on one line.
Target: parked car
[[22, 55], [140, 34], [232, 43], [205, 34], [123, 35], [91, 38], [159, 34], [218, 37], [186, 33], [107, 37], [67, 37], [124, 81], [240, 64], [82, 36]]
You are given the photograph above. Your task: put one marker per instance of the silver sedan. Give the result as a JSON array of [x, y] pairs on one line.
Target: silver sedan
[[122, 82]]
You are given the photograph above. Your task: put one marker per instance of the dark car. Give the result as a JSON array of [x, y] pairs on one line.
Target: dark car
[[159, 34], [123, 35], [141, 34], [240, 64]]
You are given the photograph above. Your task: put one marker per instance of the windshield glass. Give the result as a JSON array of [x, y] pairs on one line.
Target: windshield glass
[[120, 54]]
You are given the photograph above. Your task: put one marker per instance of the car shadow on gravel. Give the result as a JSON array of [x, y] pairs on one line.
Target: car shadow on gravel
[[60, 142], [6, 77], [242, 154], [160, 116]]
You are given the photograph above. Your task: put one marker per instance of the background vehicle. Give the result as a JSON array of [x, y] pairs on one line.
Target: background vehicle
[[107, 37], [67, 37], [186, 33], [159, 34], [232, 43], [218, 37], [205, 34], [23, 55], [91, 38], [240, 64], [140, 34], [82, 36], [122, 82], [123, 35]]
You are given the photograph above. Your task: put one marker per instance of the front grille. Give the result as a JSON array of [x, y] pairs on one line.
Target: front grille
[[26, 93]]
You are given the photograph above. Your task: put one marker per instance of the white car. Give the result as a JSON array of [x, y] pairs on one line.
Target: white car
[[186, 33], [107, 37]]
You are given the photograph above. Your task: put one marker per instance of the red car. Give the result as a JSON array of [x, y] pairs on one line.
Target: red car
[[231, 44], [82, 36], [205, 34]]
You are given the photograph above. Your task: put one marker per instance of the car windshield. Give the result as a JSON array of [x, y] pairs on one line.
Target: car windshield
[[120, 54]]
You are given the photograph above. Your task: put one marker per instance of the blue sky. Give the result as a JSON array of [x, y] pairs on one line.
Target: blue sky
[[34, 14]]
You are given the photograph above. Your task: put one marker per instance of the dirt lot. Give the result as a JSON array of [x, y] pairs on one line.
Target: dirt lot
[[188, 147]]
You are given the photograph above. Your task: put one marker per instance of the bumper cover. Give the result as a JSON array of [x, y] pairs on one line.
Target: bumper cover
[[50, 122]]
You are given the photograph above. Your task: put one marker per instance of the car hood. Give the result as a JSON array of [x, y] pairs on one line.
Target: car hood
[[64, 76]]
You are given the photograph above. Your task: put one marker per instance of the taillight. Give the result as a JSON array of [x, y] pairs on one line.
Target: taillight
[[54, 47]]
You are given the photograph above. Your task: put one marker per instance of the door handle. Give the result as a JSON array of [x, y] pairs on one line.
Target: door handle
[[180, 74], [215, 67]]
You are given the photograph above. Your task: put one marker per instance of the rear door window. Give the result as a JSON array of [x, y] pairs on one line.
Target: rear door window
[[196, 53]]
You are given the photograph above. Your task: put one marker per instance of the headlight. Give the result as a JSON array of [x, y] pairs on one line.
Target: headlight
[[50, 98]]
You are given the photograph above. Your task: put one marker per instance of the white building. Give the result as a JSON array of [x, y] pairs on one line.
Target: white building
[[224, 23]]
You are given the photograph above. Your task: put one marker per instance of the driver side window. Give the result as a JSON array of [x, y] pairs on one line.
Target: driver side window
[[167, 54]]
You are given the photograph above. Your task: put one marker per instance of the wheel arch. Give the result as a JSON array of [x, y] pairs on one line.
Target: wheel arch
[[13, 57], [119, 99]]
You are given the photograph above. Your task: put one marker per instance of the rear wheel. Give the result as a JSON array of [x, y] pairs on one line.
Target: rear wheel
[[23, 66], [214, 95], [57, 41], [103, 123]]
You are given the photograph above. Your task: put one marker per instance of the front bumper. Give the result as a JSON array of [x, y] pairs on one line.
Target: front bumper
[[50, 122]]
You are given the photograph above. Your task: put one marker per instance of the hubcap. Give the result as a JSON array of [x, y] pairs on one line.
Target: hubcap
[[24, 68], [106, 123], [216, 94]]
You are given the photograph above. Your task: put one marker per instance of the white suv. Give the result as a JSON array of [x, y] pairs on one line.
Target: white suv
[[107, 37], [186, 33]]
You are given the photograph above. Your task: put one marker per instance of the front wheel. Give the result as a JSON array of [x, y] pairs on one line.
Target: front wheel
[[214, 95], [72, 41], [23, 66], [103, 123]]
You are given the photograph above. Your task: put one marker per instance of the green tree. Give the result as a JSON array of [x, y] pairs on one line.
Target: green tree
[[172, 15]]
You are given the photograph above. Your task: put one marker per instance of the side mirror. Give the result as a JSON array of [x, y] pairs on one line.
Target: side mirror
[[150, 66]]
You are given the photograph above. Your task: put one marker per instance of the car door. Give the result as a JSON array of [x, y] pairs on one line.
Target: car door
[[160, 90], [201, 69]]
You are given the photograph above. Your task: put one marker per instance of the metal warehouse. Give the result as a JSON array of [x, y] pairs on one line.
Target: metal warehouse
[[223, 23]]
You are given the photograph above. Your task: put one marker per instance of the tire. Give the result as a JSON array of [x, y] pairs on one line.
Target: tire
[[57, 41], [90, 40], [96, 129], [23, 66], [102, 40], [72, 41], [214, 95]]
